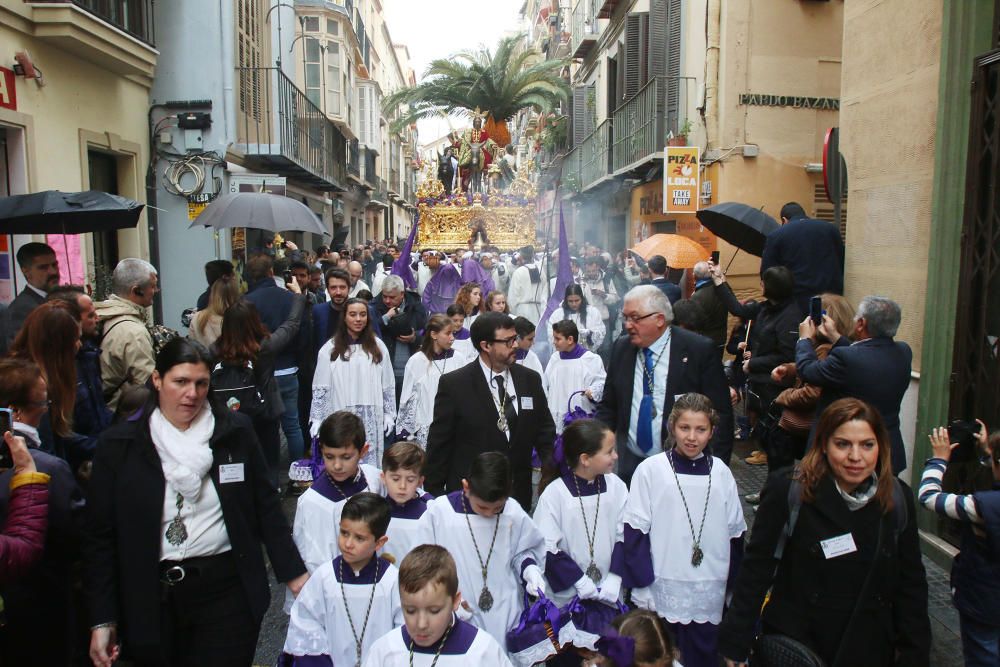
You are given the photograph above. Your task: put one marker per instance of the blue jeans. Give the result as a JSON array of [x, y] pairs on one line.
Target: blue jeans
[[980, 643], [288, 385]]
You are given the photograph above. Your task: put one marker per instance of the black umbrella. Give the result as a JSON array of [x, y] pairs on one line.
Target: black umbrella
[[740, 225], [54, 212]]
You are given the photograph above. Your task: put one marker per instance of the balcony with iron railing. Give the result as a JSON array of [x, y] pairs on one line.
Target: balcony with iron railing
[[116, 34], [585, 29], [640, 127], [354, 160], [395, 187], [369, 174], [279, 129], [595, 156], [379, 197], [571, 166]]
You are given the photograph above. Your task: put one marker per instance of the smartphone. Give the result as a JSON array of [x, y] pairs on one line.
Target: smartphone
[[6, 424], [288, 276], [715, 257], [816, 310]]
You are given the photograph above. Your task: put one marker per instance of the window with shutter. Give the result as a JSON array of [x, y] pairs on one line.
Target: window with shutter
[[673, 65], [250, 52], [333, 78], [636, 52], [579, 114]]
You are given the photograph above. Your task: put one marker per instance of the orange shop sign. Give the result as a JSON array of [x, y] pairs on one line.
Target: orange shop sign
[[682, 179], [8, 93]]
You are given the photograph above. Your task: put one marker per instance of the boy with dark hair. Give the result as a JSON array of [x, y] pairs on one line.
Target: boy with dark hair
[[525, 339], [573, 368], [433, 635], [463, 339], [351, 600], [402, 476]]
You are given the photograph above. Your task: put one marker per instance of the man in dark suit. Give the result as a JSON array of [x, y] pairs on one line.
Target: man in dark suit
[[492, 404], [716, 317], [41, 273], [326, 316], [812, 249], [651, 367], [874, 368], [658, 268], [398, 318]]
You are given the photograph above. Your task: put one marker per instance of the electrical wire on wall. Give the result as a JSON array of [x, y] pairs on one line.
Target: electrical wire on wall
[[195, 168]]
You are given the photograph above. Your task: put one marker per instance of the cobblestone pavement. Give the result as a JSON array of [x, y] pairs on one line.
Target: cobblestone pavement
[[946, 649]]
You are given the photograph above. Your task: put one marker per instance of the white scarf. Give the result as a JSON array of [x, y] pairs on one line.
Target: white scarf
[[860, 496], [184, 455]]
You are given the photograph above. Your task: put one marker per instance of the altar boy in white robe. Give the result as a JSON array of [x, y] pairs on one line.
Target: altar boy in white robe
[[571, 370], [350, 601], [495, 544], [433, 635]]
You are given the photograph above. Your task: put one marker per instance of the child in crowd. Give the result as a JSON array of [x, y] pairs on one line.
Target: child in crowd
[[350, 601], [463, 338], [684, 532], [402, 476], [496, 302], [436, 357], [317, 516], [572, 369], [525, 339], [494, 542], [433, 635], [639, 637], [580, 515]]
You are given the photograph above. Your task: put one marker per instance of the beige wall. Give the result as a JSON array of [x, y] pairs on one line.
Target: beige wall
[[888, 128], [81, 105]]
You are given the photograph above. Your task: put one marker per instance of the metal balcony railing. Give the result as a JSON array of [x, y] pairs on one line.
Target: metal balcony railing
[[394, 185], [595, 155], [281, 129], [379, 197], [638, 128], [370, 174], [585, 28], [571, 171], [354, 159], [132, 16]]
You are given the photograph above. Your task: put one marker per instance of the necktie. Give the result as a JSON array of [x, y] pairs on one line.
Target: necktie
[[508, 404], [644, 428]]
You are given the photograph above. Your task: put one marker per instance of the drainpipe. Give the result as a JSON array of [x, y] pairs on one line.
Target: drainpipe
[[151, 212], [710, 114]]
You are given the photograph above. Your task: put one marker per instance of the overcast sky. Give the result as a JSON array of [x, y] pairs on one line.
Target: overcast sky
[[437, 28]]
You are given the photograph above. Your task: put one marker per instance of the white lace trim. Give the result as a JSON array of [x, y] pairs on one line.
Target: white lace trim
[[681, 601], [319, 408], [536, 653]]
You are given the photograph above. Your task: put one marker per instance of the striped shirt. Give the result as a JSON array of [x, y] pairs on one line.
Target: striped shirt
[[952, 505]]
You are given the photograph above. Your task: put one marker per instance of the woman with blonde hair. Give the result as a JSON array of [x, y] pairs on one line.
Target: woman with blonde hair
[[836, 544], [206, 325]]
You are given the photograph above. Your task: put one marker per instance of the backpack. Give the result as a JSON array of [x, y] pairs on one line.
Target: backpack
[[234, 387], [900, 513]]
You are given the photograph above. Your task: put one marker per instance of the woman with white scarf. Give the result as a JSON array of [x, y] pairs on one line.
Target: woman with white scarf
[[179, 509]]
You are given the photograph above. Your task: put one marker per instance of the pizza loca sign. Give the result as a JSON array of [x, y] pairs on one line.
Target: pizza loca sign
[[682, 179], [8, 94]]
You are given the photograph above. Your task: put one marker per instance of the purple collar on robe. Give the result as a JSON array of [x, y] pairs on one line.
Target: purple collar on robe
[[575, 353], [367, 575], [447, 354], [440, 291], [521, 354], [599, 485], [337, 491], [462, 334], [458, 643], [413, 508], [459, 503], [685, 466]]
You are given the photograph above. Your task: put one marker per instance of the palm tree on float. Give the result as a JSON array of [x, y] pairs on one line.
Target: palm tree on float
[[503, 82]]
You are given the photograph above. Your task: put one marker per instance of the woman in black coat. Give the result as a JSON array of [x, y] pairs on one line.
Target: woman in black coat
[[179, 508], [849, 583]]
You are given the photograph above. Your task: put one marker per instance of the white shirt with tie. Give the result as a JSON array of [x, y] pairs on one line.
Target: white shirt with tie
[[508, 381], [661, 360]]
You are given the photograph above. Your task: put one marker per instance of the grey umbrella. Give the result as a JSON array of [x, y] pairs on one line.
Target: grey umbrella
[[260, 210]]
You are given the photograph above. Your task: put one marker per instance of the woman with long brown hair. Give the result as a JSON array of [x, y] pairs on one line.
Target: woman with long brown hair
[[470, 297], [836, 543], [50, 338], [206, 325], [354, 373], [244, 341]]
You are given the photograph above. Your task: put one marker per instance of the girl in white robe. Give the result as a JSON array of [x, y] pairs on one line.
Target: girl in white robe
[[420, 379], [354, 373], [587, 319], [482, 526], [572, 369], [684, 530]]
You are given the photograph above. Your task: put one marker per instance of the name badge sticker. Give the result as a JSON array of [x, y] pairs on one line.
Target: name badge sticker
[[527, 403], [231, 473], [838, 546]]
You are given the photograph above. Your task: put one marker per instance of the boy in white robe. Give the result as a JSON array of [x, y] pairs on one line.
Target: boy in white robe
[[525, 340], [433, 634], [350, 601], [486, 530], [572, 369], [463, 338], [402, 477], [317, 515]]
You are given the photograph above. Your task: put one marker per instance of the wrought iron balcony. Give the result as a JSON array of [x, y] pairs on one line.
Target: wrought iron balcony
[[640, 125], [571, 167], [595, 156], [354, 159], [281, 130], [379, 197], [370, 174], [134, 17], [395, 189], [585, 29]]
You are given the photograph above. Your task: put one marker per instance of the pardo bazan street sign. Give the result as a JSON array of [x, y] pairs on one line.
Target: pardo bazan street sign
[[8, 94], [681, 179]]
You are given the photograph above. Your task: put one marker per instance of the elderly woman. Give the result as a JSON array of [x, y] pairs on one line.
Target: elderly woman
[[180, 506], [836, 543]]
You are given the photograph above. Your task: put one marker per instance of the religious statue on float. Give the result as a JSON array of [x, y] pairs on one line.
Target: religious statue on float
[[476, 151]]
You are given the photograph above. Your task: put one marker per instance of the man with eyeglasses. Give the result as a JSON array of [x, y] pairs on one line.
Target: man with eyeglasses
[[650, 367], [491, 404]]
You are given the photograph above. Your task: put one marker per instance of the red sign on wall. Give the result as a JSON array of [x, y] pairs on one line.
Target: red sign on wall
[[8, 94]]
